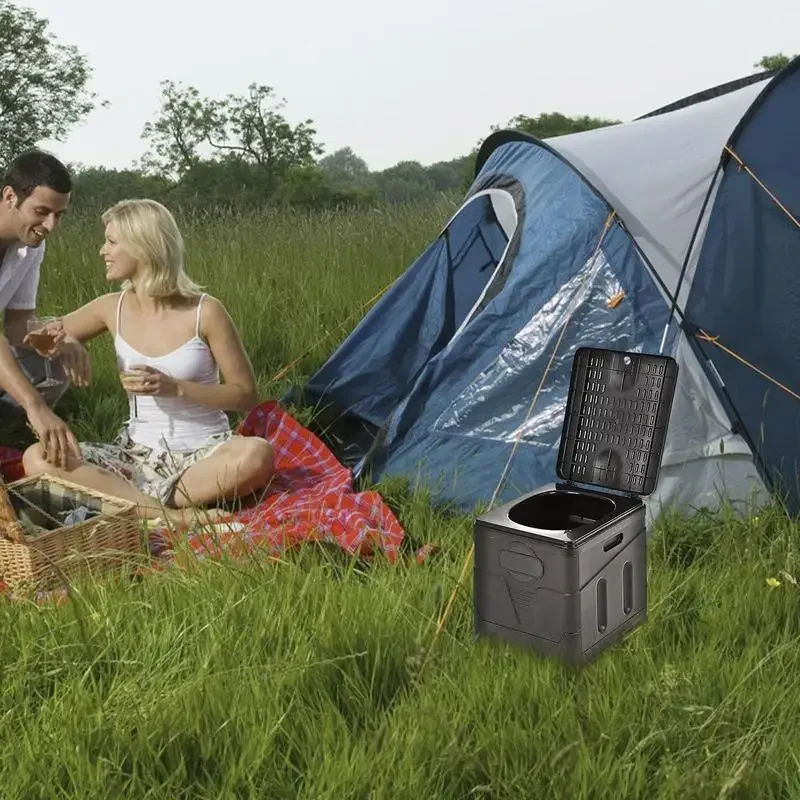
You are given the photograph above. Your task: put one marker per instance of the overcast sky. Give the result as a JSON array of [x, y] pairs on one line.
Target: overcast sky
[[413, 80]]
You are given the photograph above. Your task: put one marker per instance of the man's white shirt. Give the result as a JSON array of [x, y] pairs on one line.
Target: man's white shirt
[[19, 277]]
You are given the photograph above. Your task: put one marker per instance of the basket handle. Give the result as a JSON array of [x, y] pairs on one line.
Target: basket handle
[[10, 526]]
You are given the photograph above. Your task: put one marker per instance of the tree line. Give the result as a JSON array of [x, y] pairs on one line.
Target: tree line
[[207, 153]]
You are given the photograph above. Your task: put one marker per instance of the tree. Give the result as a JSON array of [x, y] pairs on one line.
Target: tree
[[42, 83], [182, 124], [777, 61], [556, 124], [246, 127], [97, 188], [311, 187], [405, 182], [344, 164], [447, 175], [249, 128]]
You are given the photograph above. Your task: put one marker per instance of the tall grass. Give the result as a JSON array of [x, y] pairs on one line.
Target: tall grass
[[295, 283], [302, 678]]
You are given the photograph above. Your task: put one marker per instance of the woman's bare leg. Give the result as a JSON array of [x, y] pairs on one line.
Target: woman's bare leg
[[237, 468], [104, 481]]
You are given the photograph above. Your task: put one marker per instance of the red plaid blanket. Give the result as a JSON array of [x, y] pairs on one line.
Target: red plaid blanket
[[310, 498]]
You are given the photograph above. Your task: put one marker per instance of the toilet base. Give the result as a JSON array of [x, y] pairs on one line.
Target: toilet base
[[568, 649], [566, 593]]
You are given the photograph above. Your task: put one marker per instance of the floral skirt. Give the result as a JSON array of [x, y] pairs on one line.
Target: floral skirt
[[153, 472]]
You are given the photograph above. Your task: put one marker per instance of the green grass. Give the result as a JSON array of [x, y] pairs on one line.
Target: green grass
[[302, 678], [296, 284]]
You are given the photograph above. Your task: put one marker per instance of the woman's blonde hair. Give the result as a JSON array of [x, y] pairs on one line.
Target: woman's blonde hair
[[148, 231]]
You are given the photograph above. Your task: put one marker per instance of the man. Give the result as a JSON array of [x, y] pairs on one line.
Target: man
[[34, 194]]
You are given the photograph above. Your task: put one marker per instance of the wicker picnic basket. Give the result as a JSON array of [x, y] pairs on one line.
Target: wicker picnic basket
[[101, 542]]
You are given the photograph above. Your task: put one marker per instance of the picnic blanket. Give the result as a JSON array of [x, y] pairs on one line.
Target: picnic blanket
[[311, 498]]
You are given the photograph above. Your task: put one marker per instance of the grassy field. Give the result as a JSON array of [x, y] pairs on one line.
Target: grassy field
[[302, 678]]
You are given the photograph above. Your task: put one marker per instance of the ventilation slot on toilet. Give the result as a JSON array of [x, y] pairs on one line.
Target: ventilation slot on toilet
[[627, 587], [602, 605]]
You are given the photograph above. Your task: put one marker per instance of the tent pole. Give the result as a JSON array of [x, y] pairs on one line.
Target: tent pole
[[689, 251]]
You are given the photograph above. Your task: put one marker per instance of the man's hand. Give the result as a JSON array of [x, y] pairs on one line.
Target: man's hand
[[57, 440], [46, 339]]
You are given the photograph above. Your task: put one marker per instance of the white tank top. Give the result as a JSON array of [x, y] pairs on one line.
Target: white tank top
[[172, 423]]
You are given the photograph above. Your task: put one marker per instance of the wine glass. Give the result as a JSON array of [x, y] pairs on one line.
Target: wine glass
[[124, 368], [42, 340]]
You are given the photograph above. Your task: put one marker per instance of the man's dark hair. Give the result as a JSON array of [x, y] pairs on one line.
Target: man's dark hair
[[36, 168]]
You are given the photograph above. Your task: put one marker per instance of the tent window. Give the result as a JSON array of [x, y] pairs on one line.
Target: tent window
[[477, 240]]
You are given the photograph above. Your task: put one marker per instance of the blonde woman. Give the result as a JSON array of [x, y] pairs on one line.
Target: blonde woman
[[177, 450]]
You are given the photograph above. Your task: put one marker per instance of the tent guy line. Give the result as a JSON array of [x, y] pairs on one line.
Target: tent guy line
[[706, 337], [752, 174]]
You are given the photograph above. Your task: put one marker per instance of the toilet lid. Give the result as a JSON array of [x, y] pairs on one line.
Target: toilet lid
[[616, 419]]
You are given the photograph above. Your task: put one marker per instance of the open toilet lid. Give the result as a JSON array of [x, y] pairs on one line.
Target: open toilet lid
[[616, 419]]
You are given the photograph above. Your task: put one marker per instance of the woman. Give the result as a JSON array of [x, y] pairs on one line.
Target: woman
[[177, 450]]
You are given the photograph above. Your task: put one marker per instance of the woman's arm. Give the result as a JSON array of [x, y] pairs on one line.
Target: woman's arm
[[91, 319], [237, 393], [70, 332]]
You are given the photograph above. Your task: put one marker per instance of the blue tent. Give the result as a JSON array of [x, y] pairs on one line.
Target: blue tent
[[677, 232]]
